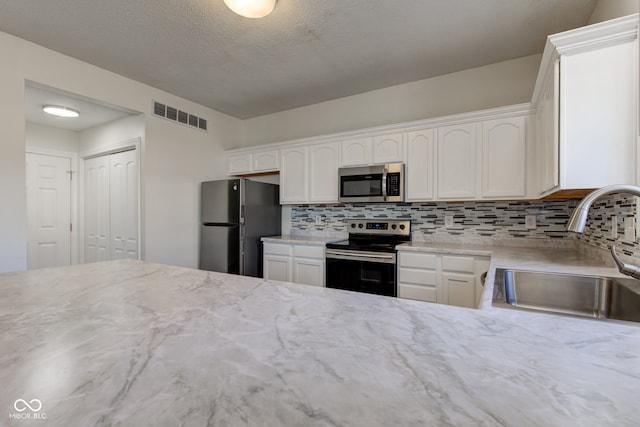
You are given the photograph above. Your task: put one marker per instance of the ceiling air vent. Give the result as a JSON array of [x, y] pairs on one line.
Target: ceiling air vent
[[179, 116]]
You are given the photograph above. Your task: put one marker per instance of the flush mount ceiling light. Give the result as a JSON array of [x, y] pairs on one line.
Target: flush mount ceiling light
[[56, 110], [251, 8]]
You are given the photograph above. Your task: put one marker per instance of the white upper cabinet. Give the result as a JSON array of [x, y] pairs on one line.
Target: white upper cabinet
[[294, 175], [457, 161], [388, 148], [266, 161], [323, 172], [586, 96], [547, 132], [257, 161], [356, 152], [239, 164], [503, 158], [420, 165], [309, 174]]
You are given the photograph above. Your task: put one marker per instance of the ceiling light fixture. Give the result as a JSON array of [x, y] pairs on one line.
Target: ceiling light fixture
[[59, 111], [251, 8]]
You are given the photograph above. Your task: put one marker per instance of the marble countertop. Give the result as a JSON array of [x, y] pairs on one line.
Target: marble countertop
[[135, 343], [302, 239]]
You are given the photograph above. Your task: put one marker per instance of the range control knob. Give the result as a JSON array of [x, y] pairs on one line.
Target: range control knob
[[353, 226], [402, 227], [393, 226], [360, 225]]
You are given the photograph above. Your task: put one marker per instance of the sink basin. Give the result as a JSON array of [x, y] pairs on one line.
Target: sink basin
[[590, 296]]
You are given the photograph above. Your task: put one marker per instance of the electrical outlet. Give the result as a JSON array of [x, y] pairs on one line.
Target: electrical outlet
[[318, 220], [630, 229], [614, 227], [448, 221], [530, 222]]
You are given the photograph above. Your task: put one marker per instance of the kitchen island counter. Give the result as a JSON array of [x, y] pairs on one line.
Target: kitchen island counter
[[135, 343]]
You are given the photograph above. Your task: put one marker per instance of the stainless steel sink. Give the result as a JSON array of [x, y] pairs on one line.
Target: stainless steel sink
[[589, 296]]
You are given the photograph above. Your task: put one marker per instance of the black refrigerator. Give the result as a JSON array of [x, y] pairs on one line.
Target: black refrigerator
[[234, 215]]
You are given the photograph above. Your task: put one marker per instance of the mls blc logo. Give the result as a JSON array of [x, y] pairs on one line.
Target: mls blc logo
[[28, 410]]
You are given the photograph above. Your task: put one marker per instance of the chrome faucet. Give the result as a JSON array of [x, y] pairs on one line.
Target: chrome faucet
[[579, 219]]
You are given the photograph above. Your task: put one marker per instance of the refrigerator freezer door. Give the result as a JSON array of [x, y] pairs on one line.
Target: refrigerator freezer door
[[220, 248], [220, 202]]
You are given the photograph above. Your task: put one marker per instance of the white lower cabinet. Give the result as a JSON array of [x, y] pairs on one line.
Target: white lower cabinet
[[441, 278], [418, 276], [289, 262]]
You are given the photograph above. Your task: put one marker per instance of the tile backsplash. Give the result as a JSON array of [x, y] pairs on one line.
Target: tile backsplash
[[492, 220]]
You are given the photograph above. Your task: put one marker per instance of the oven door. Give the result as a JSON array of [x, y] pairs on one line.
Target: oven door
[[370, 272]]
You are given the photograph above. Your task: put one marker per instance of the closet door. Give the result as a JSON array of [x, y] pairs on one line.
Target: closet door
[[97, 209], [111, 207], [124, 205]]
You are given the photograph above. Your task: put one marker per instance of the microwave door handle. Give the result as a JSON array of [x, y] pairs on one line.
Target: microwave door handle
[[384, 183]]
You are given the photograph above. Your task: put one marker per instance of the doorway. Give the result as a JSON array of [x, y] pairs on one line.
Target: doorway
[[56, 150]]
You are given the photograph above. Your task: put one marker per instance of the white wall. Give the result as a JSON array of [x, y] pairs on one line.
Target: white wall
[[175, 157], [495, 85], [51, 138], [112, 134], [610, 9]]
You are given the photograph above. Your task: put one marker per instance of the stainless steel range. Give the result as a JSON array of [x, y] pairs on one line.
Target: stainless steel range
[[366, 262]]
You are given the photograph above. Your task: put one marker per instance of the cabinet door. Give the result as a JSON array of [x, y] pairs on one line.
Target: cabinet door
[[293, 175], [503, 157], [457, 161], [323, 172], [356, 152], [458, 289], [388, 148], [547, 135], [420, 165], [278, 267], [239, 164], [598, 130], [266, 161], [308, 271]]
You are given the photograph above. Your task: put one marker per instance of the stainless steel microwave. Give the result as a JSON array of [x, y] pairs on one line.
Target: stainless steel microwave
[[379, 183]]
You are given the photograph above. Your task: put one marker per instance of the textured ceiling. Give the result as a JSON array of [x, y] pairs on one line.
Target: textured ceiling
[[305, 52]]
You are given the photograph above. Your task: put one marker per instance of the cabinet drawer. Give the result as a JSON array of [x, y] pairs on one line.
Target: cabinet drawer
[[421, 293], [308, 251], [418, 277], [417, 260], [277, 249], [458, 263]]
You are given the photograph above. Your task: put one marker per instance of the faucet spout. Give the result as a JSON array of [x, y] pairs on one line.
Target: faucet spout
[[579, 219]]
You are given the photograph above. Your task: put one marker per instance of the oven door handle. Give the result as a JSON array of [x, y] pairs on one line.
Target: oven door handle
[[385, 171], [370, 257]]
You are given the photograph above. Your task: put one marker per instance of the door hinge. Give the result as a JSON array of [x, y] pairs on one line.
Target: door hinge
[[70, 227], [71, 174]]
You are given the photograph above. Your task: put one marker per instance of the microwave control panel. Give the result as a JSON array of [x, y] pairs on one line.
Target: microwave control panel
[[393, 184]]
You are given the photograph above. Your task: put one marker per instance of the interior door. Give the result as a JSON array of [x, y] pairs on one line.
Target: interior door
[[111, 207], [123, 181], [48, 211], [97, 212]]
